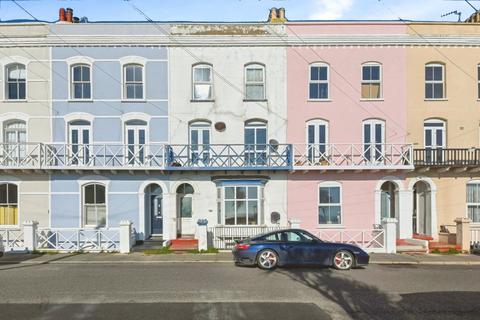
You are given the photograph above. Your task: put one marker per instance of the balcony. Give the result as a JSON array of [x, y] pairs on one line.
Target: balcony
[[445, 159], [343, 157], [61, 156], [229, 157]]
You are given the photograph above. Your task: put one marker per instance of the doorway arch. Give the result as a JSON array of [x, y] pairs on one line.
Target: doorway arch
[[153, 207], [422, 209], [389, 201]]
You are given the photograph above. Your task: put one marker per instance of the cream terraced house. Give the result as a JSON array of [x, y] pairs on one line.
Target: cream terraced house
[[25, 113]]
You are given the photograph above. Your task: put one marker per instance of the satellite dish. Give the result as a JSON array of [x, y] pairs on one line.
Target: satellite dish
[[220, 126], [275, 217], [273, 144]]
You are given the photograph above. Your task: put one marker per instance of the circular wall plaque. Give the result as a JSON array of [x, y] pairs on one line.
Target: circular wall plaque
[[220, 126]]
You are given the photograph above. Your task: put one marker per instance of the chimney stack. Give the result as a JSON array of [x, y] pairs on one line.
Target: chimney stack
[[61, 15], [277, 15], [69, 15]]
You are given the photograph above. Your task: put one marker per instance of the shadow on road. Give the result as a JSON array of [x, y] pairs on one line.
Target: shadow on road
[[25, 260], [362, 301]]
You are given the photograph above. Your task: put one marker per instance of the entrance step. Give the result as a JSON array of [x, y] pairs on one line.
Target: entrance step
[[184, 244], [412, 246], [443, 247], [411, 249], [422, 237], [153, 243]]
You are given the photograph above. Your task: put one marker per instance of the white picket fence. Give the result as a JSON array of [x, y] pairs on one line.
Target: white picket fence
[[224, 237], [12, 239], [79, 240], [372, 240]]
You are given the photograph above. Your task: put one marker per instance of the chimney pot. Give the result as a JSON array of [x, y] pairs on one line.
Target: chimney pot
[[281, 14], [273, 14], [69, 15], [61, 15]]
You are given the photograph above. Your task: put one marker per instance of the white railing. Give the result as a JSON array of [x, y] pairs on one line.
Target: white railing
[[372, 240], [475, 237], [352, 156], [12, 239], [224, 237], [78, 240]]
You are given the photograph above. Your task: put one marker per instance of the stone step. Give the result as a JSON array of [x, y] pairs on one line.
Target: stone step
[[413, 249]]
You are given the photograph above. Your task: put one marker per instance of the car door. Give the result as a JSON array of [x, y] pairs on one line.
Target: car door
[[317, 251], [298, 250]]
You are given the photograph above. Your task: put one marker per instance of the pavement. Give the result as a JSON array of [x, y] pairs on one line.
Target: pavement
[[222, 257], [222, 291]]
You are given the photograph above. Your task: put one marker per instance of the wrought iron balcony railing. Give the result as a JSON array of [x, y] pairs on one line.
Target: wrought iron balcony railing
[[447, 157], [353, 156], [229, 157]]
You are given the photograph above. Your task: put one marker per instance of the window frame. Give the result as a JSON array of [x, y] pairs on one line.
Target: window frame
[[330, 184], [255, 66], [468, 204], [71, 94], [136, 82], [372, 82], [7, 82], [84, 205], [444, 132], [433, 82], [210, 83], [327, 82], [8, 204], [260, 199]]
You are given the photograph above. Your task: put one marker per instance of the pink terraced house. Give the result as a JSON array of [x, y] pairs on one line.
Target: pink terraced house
[[347, 121]]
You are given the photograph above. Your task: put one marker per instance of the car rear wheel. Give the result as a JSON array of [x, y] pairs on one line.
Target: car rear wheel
[[267, 259], [343, 260]]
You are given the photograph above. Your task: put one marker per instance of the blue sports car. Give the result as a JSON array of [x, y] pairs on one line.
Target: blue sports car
[[294, 246]]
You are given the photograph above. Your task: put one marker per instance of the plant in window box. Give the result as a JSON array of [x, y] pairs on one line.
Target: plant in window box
[[175, 164], [324, 162]]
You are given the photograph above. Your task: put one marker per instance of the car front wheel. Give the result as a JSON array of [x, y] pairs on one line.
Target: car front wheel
[[343, 260], [267, 259]]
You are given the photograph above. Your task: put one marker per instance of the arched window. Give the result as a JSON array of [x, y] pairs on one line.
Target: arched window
[[389, 200], [202, 86], [373, 140], [371, 81], [136, 140], [185, 200], [15, 81], [473, 201], [8, 204], [15, 138], [199, 135], [435, 134], [317, 140], [434, 81], [133, 82], [254, 82], [319, 81], [94, 205], [330, 203], [81, 82]]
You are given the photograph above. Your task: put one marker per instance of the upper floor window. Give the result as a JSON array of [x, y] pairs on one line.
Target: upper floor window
[[473, 201], [254, 82], [16, 82], [330, 203], [319, 81], [133, 82], [371, 81], [8, 204], [81, 82], [94, 205], [202, 82], [434, 81]]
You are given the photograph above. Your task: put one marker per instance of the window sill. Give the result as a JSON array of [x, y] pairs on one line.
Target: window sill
[[133, 101], [15, 100], [202, 100], [319, 100], [11, 226], [374, 100], [255, 100], [81, 100], [331, 226], [430, 100]]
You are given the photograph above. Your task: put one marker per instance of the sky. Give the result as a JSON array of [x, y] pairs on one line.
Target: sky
[[240, 10]]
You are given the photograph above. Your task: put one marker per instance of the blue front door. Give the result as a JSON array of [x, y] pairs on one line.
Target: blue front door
[[156, 214]]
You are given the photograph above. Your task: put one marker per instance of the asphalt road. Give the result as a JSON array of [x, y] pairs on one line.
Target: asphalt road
[[223, 291]]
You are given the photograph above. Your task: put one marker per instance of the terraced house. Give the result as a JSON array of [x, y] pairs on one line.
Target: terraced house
[[342, 128]]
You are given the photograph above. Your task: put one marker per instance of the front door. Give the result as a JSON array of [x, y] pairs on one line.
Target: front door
[[156, 214]]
